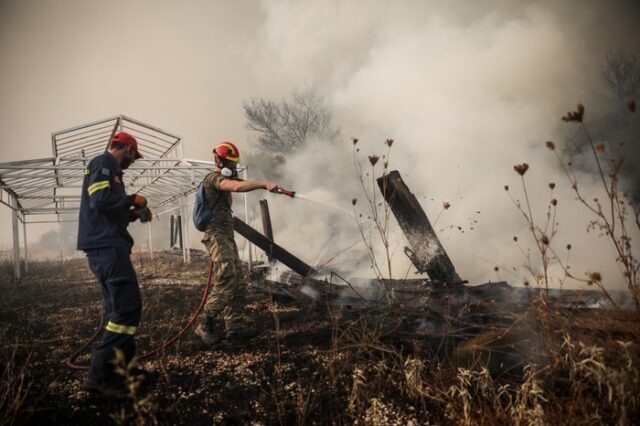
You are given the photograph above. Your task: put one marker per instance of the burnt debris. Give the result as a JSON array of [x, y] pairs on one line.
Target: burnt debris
[[426, 251]]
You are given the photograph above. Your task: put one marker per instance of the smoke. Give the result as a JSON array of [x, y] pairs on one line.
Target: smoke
[[466, 90], [465, 97]]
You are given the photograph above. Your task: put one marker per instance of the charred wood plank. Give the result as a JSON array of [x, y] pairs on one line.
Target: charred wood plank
[[281, 291], [266, 224], [271, 248], [426, 251]]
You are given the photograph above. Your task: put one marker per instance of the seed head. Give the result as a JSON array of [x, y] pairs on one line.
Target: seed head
[[515, 238], [599, 148], [521, 169], [389, 142], [595, 276], [544, 240], [554, 202], [354, 201], [552, 185], [575, 115], [632, 106], [526, 283], [373, 159], [495, 268], [550, 145], [506, 187], [446, 205], [354, 140], [568, 246]]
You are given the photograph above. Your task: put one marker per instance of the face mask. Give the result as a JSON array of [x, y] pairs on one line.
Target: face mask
[[126, 162], [228, 170]]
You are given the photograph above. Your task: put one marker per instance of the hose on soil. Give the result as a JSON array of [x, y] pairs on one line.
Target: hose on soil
[[71, 362]]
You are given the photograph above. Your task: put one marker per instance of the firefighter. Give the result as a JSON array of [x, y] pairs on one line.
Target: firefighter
[[105, 213], [224, 309]]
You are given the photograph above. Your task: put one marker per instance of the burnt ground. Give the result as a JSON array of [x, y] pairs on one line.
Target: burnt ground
[[309, 364], [57, 307]]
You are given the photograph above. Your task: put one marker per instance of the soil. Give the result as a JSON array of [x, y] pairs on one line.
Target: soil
[[303, 367], [58, 306]]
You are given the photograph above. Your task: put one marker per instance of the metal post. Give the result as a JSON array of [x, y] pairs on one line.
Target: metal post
[[150, 240], [179, 239], [26, 253], [185, 224], [183, 231], [173, 236], [16, 238], [245, 175]]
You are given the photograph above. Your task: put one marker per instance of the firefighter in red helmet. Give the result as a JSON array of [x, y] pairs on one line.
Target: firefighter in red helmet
[[105, 213]]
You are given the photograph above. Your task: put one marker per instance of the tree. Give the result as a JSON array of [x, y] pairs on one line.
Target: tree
[[621, 75], [287, 126]]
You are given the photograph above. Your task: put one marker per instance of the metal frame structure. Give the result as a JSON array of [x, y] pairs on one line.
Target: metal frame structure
[[47, 190]]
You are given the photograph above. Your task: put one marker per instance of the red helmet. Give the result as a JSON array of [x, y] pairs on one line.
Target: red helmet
[[227, 151], [127, 139]]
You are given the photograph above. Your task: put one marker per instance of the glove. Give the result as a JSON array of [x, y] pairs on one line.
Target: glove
[[145, 214], [138, 201]]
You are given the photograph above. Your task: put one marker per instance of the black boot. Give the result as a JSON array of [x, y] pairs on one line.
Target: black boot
[[210, 330], [110, 389]]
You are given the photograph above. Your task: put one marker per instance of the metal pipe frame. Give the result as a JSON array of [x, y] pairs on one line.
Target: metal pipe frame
[[50, 186], [16, 240]]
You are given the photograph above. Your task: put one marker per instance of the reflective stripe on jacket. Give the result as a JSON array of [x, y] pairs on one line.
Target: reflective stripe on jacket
[[104, 206]]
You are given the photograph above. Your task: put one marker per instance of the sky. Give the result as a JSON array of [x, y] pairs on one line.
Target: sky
[[465, 89]]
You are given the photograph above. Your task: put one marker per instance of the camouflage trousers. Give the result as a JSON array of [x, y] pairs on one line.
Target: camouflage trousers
[[227, 297]]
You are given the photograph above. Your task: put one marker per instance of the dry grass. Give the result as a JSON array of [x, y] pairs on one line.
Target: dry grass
[[320, 365]]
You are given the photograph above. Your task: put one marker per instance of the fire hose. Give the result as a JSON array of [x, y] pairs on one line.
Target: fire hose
[[71, 362]]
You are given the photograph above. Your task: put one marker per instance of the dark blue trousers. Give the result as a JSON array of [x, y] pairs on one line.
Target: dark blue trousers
[[122, 306]]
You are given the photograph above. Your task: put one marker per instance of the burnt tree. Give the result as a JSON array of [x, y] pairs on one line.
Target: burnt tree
[[426, 251]]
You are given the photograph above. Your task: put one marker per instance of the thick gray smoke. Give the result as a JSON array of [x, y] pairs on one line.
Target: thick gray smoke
[[466, 90], [465, 96]]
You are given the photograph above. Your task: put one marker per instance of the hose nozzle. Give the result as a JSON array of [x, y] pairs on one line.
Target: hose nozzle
[[291, 194]]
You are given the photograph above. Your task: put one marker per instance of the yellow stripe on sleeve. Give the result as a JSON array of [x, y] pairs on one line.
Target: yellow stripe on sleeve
[[97, 186]]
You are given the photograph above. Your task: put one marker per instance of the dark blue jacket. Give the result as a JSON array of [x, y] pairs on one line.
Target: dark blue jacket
[[104, 206]]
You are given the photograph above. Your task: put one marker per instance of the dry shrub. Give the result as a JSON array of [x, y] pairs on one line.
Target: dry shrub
[[14, 383], [604, 381], [143, 409]]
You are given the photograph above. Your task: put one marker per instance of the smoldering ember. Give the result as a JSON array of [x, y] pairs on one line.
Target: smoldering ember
[[329, 347]]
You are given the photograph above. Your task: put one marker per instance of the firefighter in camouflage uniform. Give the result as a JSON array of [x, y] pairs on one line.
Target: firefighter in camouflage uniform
[[224, 310]]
